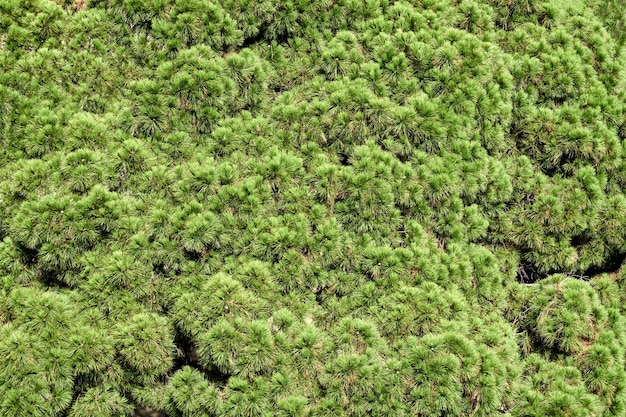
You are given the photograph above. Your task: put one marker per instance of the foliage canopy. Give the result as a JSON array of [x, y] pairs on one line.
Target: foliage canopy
[[312, 208]]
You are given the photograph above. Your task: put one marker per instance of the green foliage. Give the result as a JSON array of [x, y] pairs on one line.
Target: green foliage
[[312, 208]]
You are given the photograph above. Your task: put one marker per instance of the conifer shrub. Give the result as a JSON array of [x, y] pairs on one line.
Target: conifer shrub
[[312, 208]]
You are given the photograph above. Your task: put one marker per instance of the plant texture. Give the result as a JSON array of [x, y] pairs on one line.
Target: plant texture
[[297, 208]]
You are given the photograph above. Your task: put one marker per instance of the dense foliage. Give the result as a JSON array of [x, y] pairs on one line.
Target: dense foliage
[[312, 208]]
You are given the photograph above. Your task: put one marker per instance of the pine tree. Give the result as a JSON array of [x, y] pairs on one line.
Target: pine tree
[[332, 208]]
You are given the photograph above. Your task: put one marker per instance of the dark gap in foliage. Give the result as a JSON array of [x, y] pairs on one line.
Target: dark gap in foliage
[[403, 157], [403, 231], [579, 240], [344, 159], [535, 345], [160, 269], [528, 273], [51, 279], [621, 131], [551, 171], [279, 90], [193, 255], [612, 265], [80, 382], [80, 386], [253, 40], [189, 357], [104, 233], [214, 375], [260, 37], [83, 381], [30, 255], [318, 296]]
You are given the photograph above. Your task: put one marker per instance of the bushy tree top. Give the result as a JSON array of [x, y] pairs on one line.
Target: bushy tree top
[[312, 208]]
